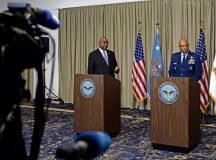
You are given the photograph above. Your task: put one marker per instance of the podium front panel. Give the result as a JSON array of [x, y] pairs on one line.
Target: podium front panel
[[171, 120], [97, 113]]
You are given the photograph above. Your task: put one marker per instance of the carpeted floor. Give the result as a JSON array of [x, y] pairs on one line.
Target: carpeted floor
[[133, 142]]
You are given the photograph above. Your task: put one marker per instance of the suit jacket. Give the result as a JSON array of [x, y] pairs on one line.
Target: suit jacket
[[191, 67], [98, 65]]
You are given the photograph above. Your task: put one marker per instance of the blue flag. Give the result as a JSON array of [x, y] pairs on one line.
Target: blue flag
[[156, 62]]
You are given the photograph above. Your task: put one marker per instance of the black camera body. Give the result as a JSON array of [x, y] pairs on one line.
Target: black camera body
[[21, 47]]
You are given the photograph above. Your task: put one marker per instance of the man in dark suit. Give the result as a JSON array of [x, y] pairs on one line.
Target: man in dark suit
[[185, 63], [102, 61]]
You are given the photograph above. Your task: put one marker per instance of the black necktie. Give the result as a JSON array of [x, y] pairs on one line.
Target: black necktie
[[184, 58]]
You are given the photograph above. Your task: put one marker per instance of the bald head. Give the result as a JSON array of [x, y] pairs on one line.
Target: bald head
[[103, 43], [184, 45]]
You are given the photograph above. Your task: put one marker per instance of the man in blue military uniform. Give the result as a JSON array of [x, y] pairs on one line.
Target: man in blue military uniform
[[185, 63]]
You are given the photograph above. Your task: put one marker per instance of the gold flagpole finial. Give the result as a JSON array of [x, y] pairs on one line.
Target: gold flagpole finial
[[157, 25], [201, 23], [139, 24]]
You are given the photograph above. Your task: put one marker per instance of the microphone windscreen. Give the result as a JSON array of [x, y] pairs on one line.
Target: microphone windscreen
[[50, 21], [98, 142], [42, 16]]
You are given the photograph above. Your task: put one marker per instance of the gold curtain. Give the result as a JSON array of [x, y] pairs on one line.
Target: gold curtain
[[27, 74], [81, 28]]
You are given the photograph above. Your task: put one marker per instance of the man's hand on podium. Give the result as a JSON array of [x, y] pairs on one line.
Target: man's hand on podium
[[117, 69]]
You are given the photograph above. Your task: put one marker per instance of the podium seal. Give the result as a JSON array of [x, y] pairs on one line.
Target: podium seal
[[87, 88], [168, 93]]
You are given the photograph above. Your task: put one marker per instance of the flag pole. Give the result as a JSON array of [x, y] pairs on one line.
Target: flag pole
[[202, 28], [137, 103], [137, 112], [201, 22]]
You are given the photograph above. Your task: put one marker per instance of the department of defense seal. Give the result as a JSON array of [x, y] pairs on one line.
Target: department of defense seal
[[168, 92], [87, 88]]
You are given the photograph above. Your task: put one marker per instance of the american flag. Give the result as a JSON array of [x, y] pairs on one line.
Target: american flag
[[204, 85], [138, 72]]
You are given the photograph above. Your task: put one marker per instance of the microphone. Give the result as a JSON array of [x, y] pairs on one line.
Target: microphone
[[42, 17], [87, 146], [47, 19]]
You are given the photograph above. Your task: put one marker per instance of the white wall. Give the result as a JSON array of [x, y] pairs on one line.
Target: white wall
[[56, 4], [53, 6]]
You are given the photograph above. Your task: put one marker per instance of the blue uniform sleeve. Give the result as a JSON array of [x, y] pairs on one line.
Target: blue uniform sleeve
[[172, 67]]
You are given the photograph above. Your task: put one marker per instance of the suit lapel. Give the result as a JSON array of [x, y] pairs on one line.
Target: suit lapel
[[179, 58], [108, 55], [101, 56]]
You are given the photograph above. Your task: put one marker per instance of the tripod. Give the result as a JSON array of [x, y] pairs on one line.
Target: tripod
[[49, 99]]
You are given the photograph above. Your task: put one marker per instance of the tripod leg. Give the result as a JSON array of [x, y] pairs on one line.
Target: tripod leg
[[58, 99], [45, 87]]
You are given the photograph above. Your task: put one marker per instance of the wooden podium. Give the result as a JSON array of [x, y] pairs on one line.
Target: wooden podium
[[178, 122], [97, 103]]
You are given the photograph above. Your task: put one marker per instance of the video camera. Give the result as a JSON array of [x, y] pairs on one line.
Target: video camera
[[21, 47], [20, 27]]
